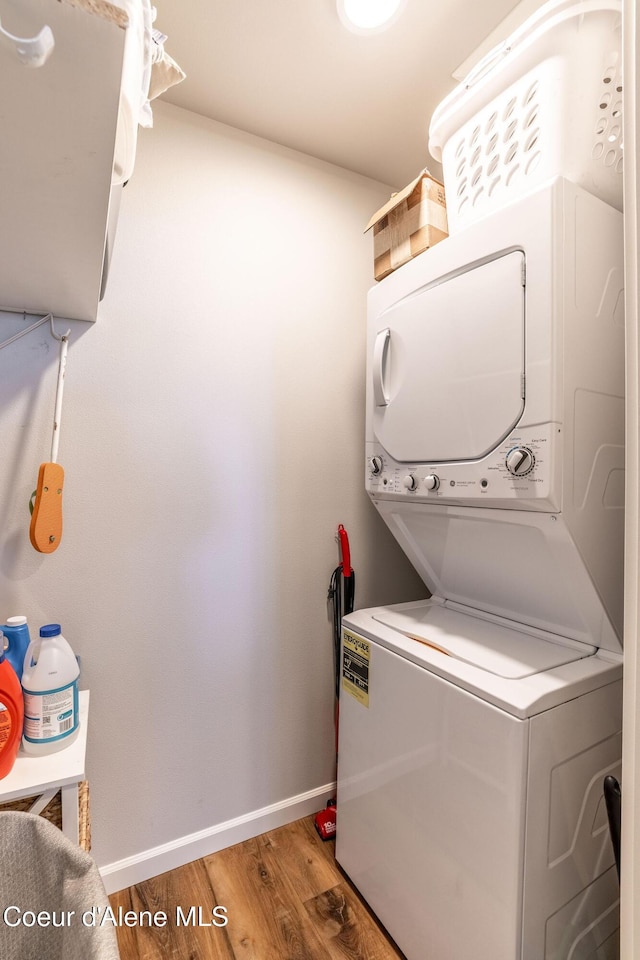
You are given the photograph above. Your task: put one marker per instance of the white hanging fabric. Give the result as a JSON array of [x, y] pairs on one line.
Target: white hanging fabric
[[147, 72]]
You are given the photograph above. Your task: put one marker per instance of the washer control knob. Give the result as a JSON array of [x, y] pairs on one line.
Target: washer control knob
[[410, 482], [432, 482], [520, 461], [375, 465]]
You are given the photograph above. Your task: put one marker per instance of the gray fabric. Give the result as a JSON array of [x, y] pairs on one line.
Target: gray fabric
[[42, 870]]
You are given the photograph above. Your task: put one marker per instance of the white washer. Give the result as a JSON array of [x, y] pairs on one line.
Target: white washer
[[476, 728], [470, 807]]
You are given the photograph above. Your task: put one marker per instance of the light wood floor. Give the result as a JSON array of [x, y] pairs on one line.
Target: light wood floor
[[286, 899]]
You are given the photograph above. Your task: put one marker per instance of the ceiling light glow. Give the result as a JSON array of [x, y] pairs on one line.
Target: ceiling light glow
[[368, 16]]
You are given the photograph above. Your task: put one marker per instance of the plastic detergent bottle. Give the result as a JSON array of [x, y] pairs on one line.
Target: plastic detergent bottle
[[11, 713], [16, 640], [50, 690]]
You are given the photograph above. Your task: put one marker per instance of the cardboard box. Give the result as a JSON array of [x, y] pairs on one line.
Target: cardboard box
[[411, 222]]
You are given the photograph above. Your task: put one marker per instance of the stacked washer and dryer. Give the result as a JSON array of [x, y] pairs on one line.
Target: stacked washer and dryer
[[476, 727]]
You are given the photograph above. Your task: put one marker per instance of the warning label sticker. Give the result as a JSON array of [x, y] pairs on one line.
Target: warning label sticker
[[356, 653]]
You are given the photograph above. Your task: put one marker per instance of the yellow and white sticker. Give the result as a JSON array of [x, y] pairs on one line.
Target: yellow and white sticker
[[356, 654]]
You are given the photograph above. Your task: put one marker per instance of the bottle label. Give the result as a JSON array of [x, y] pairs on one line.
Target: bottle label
[[52, 714], [5, 726]]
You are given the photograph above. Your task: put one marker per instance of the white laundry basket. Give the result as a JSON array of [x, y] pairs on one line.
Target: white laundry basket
[[547, 102]]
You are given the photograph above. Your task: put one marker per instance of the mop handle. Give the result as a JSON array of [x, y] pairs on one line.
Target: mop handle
[[344, 550], [55, 437]]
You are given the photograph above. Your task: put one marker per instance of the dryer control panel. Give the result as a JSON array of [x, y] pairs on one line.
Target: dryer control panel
[[518, 474]]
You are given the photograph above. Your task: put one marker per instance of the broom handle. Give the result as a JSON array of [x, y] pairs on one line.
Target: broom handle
[[55, 437]]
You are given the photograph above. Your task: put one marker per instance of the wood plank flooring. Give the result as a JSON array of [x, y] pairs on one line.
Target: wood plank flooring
[[285, 899]]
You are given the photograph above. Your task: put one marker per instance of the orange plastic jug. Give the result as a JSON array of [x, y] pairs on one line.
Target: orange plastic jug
[[11, 714]]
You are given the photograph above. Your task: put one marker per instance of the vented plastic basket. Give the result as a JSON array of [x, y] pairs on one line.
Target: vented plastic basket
[[545, 103]]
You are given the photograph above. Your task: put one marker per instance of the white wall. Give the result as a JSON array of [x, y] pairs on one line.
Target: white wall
[[212, 437], [630, 841]]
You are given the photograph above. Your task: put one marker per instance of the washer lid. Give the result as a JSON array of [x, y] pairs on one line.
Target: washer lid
[[512, 654], [446, 364]]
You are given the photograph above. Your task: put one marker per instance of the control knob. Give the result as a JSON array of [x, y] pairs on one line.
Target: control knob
[[375, 465], [520, 461], [432, 482], [410, 482]]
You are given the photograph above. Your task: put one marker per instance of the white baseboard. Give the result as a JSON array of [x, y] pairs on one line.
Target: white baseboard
[[168, 856]]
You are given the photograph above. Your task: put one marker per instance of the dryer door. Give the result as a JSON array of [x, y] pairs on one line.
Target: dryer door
[[446, 364]]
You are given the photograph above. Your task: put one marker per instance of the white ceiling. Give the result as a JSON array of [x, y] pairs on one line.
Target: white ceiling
[[287, 70]]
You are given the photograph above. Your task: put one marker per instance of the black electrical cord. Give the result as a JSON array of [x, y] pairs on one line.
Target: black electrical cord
[[335, 596], [341, 594]]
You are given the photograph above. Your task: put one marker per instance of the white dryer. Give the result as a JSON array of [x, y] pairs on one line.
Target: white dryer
[[495, 413], [476, 727]]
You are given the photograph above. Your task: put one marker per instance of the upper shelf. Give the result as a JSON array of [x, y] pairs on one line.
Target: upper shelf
[[58, 127]]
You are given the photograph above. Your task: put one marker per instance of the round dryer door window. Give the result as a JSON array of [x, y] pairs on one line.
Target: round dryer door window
[[447, 365]]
